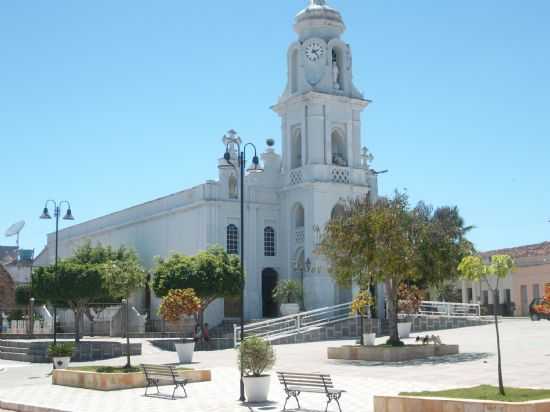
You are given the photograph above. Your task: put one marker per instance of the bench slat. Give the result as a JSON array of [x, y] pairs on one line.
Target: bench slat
[[303, 374]]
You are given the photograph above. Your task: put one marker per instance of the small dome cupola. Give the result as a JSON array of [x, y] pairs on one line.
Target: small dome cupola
[[319, 20]]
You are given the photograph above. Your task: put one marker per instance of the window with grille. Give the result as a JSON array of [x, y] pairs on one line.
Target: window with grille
[[269, 241], [232, 240]]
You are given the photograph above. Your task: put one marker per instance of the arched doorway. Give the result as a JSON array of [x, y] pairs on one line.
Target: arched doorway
[[269, 282]]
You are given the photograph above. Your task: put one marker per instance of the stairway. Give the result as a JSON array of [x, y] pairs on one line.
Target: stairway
[[16, 350]]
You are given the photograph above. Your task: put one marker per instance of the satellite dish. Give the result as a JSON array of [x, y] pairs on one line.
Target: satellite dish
[[15, 229]]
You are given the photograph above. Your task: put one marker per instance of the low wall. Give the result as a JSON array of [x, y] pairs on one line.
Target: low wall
[[349, 329], [117, 381], [85, 351], [390, 354], [413, 404], [211, 345]]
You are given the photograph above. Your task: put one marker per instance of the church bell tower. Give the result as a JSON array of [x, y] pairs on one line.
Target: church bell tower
[[323, 164]]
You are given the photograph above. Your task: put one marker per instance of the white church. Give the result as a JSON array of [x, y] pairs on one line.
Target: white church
[[286, 206]]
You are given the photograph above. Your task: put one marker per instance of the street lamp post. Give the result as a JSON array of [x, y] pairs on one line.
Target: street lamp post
[[127, 332], [68, 216], [231, 139]]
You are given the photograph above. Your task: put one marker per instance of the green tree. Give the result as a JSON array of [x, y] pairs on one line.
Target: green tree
[[212, 274], [74, 284], [442, 246], [474, 269], [94, 275], [388, 241]]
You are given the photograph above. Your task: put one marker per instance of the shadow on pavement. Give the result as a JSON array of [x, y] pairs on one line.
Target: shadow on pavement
[[438, 360]]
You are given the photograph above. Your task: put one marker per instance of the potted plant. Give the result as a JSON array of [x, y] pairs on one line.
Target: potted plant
[[361, 306], [178, 303], [410, 299], [256, 356], [288, 294], [61, 354]]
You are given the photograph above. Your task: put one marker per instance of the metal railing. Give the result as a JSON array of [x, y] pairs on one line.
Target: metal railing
[[293, 324], [430, 308], [306, 321]]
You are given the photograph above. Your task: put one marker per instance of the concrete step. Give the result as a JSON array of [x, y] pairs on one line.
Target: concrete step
[[10, 349], [21, 357], [15, 344]]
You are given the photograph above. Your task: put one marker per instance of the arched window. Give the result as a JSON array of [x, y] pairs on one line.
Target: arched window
[[269, 241], [296, 148], [339, 151], [232, 186], [232, 240]]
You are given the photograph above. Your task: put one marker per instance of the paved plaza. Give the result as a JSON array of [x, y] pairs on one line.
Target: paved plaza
[[526, 352]]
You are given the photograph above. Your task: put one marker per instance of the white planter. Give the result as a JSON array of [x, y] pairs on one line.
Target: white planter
[[404, 329], [289, 309], [61, 362], [256, 388], [369, 339], [185, 351]]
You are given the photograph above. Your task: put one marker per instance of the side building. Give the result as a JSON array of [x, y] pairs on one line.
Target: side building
[[520, 287]]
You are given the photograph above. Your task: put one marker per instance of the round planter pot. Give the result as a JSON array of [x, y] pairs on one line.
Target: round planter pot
[[256, 388], [369, 339], [61, 362], [404, 329], [289, 309], [185, 351]]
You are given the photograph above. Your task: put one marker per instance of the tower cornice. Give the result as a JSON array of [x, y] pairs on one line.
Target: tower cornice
[[318, 97]]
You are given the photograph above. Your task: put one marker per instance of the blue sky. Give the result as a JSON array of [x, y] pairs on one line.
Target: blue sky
[[113, 103]]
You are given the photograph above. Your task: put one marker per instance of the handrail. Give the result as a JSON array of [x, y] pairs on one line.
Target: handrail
[[305, 321], [293, 324]]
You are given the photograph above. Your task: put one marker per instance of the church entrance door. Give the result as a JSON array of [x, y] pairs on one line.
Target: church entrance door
[[269, 282]]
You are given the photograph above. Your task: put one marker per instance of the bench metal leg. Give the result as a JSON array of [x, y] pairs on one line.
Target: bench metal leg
[[333, 397], [176, 388], [292, 394]]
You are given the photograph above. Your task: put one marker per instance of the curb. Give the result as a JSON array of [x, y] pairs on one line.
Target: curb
[[19, 407]]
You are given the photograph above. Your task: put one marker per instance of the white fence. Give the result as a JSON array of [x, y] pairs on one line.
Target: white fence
[[430, 308], [20, 327]]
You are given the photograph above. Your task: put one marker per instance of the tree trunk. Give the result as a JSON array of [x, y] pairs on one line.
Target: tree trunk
[[391, 300], [500, 380], [76, 325]]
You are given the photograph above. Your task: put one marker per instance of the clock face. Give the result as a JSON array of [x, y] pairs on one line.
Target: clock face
[[314, 51]]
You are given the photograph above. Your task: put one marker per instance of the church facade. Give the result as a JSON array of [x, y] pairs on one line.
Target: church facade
[[322, 164]]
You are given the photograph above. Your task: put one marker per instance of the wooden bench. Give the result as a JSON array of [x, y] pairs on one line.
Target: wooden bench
[[158, 374], [296, 383]]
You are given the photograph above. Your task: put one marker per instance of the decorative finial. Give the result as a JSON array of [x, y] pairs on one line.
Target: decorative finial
[[317, 3]]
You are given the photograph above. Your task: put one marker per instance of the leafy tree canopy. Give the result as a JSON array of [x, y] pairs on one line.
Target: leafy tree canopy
[[211, 274], [388, 241]]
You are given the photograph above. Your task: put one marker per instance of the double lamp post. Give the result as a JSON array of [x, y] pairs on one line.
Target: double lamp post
[[232, 140], [57, 214]]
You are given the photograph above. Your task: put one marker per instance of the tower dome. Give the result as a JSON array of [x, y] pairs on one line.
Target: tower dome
[[319, 20]]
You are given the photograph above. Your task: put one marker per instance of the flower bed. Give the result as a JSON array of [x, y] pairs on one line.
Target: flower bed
[[387, 353], [479, 399], [102, 379]]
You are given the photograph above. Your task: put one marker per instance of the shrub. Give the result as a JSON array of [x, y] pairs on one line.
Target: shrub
[[410, 299], [16, 314], [361, 303], [61, 350], [178, 303], [256, 356], [287, 291]]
